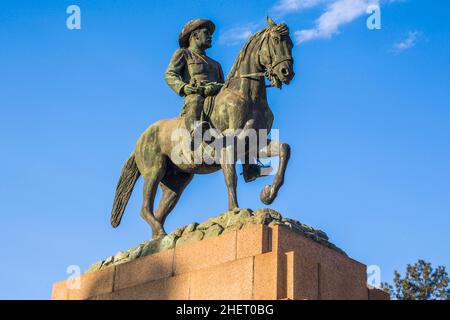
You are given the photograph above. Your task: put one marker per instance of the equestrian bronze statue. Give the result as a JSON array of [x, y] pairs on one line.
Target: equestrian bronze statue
[[236, 104]]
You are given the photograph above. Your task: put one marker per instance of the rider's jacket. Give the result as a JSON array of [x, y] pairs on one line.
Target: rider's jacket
[[187, 66]]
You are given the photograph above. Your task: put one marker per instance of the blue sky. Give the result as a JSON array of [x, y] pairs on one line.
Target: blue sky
[[367, 117]]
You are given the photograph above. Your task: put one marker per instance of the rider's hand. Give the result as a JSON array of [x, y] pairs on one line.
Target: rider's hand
[[212, 89], [209, 90], [189, 89]]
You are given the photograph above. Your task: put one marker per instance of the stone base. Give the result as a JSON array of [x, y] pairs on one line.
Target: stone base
[[257, 262]]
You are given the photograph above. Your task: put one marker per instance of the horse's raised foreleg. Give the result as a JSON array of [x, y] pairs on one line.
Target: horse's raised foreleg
[[229, 171], [273, 149], [172, 186]]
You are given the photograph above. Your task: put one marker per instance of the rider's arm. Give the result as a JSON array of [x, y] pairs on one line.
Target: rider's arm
[[174, 72]]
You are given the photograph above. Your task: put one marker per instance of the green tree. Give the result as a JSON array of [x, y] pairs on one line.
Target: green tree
[[421, 282]]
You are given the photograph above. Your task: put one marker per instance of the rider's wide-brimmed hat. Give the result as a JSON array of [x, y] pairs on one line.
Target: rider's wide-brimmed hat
[[183, 38]]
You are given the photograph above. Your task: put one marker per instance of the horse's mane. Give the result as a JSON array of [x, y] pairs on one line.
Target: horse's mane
[[281, 28], [242, 53]]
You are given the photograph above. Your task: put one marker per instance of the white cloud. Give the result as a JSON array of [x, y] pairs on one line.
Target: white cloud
[[237, 35], [283, 7], [407, 43], [337, 13]]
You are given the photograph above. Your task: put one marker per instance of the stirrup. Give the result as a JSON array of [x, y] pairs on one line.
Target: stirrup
[[199, 128]]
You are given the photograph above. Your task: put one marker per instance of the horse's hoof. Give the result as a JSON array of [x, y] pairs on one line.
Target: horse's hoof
[[267, 195]]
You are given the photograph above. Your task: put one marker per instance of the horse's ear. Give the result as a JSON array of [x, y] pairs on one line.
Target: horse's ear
[[270, 22]]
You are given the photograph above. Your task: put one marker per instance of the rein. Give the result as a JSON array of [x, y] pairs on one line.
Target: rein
[[268, 73]]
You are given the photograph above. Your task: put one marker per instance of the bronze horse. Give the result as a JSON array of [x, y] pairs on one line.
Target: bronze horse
[[241, 103]]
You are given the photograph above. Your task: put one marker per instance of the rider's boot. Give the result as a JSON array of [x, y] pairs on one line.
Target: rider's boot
[[252, 171]]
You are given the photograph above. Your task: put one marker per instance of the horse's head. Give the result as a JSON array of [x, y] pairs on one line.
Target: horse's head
[[275, 53]]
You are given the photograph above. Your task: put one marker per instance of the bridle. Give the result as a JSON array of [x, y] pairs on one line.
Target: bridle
[[268, 74]]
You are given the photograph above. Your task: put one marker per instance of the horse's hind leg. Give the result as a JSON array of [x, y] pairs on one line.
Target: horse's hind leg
[[152, 177], [283, 150], [172, 185]]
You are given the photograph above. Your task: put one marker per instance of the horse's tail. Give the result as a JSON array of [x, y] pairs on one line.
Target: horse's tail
[[128, 177]]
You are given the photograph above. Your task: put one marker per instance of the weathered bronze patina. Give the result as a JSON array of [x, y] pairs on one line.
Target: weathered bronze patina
[[240, 103]]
